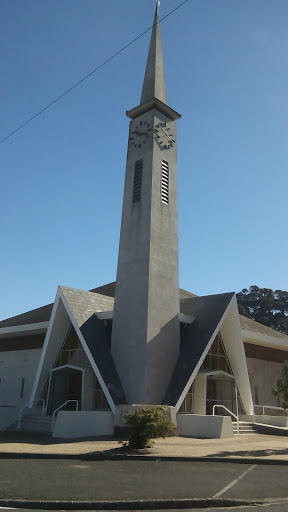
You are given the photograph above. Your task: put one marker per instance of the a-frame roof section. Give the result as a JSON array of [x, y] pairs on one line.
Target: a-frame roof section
[[84, 306], [208, 312]]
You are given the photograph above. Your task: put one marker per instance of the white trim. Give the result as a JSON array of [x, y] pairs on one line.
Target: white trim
[[25, 329], [45, 345], [208, 373], [205, 352], [105, 315], [68, 366], [264, 340]]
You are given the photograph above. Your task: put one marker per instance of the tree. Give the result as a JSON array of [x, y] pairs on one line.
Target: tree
[[146, 424], [281, 389], [265, 306]]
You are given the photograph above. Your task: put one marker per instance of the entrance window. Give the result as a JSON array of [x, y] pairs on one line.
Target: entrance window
[[72, 351], [188, 402], [216, 358]]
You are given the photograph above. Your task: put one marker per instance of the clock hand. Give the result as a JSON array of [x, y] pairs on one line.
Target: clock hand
[[167, 135]]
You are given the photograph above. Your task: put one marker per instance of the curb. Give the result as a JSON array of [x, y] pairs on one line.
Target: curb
[[122, 457], [134, 504]]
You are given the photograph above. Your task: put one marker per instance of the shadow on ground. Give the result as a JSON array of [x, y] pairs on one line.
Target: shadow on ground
[[46, 439], [250, 453]]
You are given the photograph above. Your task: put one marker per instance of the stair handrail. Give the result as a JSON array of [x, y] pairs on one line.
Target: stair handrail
[[230, 412], [31, 402], [269, 407], [60, 407]]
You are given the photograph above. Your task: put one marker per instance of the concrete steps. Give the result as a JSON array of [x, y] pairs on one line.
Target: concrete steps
[[245, 428], [34, 423]]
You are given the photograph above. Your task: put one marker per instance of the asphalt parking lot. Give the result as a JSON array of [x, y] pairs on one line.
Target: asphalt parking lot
[[76, 480]]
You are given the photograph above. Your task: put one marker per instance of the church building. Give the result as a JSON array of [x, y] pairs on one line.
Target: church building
[[77, 366]]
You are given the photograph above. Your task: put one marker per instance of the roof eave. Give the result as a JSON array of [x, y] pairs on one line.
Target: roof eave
[[149, 105]]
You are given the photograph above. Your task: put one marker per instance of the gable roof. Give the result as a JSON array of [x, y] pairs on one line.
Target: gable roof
[[84, 307], [43, 313], [208, 312]]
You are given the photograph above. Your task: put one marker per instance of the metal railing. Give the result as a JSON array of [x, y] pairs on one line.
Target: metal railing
[[28, 405], [263, 407], [58, 409], [230, 412]]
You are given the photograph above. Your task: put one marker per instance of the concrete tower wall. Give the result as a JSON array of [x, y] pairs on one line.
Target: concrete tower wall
[[146, 333]]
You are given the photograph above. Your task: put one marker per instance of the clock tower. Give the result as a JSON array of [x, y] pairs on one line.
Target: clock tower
[[146, 329]]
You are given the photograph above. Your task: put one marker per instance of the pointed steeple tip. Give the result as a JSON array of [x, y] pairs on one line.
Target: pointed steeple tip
[[157, 8], [154, 81]]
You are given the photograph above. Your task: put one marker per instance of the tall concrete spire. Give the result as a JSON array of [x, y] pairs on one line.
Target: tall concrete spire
[[154, 80], [146, 330]]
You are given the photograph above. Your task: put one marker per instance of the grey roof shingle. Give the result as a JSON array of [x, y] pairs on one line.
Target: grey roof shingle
[[84, 304]]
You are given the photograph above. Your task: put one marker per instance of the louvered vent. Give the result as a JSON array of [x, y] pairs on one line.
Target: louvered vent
[[165, 182], [137, 181]]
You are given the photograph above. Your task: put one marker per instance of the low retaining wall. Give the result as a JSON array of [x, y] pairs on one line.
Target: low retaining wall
[[70, 424], [209, 427], [271, 430], [8, 415], [278, 421]]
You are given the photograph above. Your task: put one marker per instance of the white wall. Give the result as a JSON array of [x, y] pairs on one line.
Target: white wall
[[210, 427], [14, 366], [73, 424], [263, 376]]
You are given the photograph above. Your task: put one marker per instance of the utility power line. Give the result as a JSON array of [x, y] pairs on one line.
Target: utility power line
[[90, 74]]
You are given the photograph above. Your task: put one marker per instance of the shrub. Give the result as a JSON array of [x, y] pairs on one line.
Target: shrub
[[143, 425]]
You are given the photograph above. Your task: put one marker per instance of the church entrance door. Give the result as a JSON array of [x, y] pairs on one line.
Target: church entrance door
[[65, 384], [220, 391]]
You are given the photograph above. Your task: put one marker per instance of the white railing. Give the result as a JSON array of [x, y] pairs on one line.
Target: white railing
[[28, 405], [263, 407], [58, 409], [230, 412]]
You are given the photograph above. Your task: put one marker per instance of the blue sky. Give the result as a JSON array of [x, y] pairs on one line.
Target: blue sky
[[62, 176]]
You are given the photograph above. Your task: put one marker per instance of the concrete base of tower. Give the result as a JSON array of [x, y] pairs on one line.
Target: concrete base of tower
[[122, 410]]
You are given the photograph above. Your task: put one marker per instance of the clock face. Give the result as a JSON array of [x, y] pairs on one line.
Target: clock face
[[164, 136], [140, 134]]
